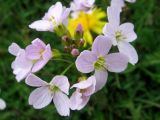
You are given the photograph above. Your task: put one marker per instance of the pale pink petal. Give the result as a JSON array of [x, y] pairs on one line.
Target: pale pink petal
[[41, 25], [101, 79], [101, 45], [39, 43], [131, 1], [90, 90], [113, 16], [21, 66], [128, 31], [40, 97], [62, 103], [85, 61], [35, 81], [129, 51], [47, 54], [2, 104], [84, 102], [62, 83], [75, 100], [83, 84], [118, 4], [14, 49], [39, 65], [33, 52], [116, 62]]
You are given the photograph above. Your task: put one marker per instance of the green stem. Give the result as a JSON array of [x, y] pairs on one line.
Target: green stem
[[63, 60], [67, 69]]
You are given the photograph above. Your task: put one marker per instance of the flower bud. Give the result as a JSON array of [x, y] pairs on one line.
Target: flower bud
[[79, 32], [75, 52], [81, 43]]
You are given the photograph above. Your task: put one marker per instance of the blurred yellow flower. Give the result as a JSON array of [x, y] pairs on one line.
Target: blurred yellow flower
[[90, 22]]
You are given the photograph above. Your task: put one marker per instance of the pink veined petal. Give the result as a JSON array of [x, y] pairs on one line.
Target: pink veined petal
[[62, 103], [39, 43], [129, 51], [41, 25], [33, 52], [75, 100], [47, 54], [113, 16], [84, 102], [40, 97], [21, 66], [35, 81], [62, 83], [101, 79], [90, 90], [65, 15], [101, 45], [14, 49], [118, 4], [39, 65], [83, 84], [85, 61], [57, 15], [116, 62], [2, 104], [128, 31]]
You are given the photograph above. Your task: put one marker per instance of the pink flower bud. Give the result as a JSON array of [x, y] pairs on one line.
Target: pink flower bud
[[75, 52]]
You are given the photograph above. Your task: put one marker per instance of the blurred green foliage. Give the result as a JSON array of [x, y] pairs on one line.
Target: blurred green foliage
[[132, 95]]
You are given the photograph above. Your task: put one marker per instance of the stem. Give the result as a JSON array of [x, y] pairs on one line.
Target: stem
[[63, 60], [67, 69]]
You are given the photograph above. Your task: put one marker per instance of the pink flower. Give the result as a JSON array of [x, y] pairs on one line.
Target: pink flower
[[121, 35], [82, 5], [39, 53], [99, 60], [81, 96], [31, 60], [56, 15], [56, 90], [21, 65]]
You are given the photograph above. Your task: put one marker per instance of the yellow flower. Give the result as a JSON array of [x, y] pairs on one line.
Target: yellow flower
[[90, 22]]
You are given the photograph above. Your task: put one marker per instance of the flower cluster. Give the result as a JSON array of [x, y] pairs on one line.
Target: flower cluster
[[75, 26]]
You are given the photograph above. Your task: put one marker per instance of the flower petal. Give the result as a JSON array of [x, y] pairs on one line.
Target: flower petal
[[101, 79], [128, 31], [116, 62], [62, 83], [84, 102], [40, 97], [2, 104], [101, 45], [129, 51], [75, 100], [35, 81], [62, 103], [85, 61], [113, 15], [41, 25], [14, 49]]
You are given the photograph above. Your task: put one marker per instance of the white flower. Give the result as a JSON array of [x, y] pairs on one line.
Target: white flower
[[121, 34], [2, 104], [56, 15]]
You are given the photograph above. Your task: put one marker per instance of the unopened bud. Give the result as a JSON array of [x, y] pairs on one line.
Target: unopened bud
[[75, 52], [79, 32], [81, 43]]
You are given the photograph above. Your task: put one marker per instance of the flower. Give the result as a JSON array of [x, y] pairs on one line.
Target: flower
[[82, 5], [90, 22], [56, 15], [81, 96], [39, 53], [31, 59], [21, 65], [2, 104], [99, 60], [56, 90], [121, 35]]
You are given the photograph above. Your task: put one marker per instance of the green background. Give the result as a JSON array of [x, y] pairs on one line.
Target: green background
[[131, 95]]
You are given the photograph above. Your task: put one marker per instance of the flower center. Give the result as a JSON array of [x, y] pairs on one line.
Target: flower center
[[52, 19], [119, 36], [53, 88], [100, 63], [83, 90]]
